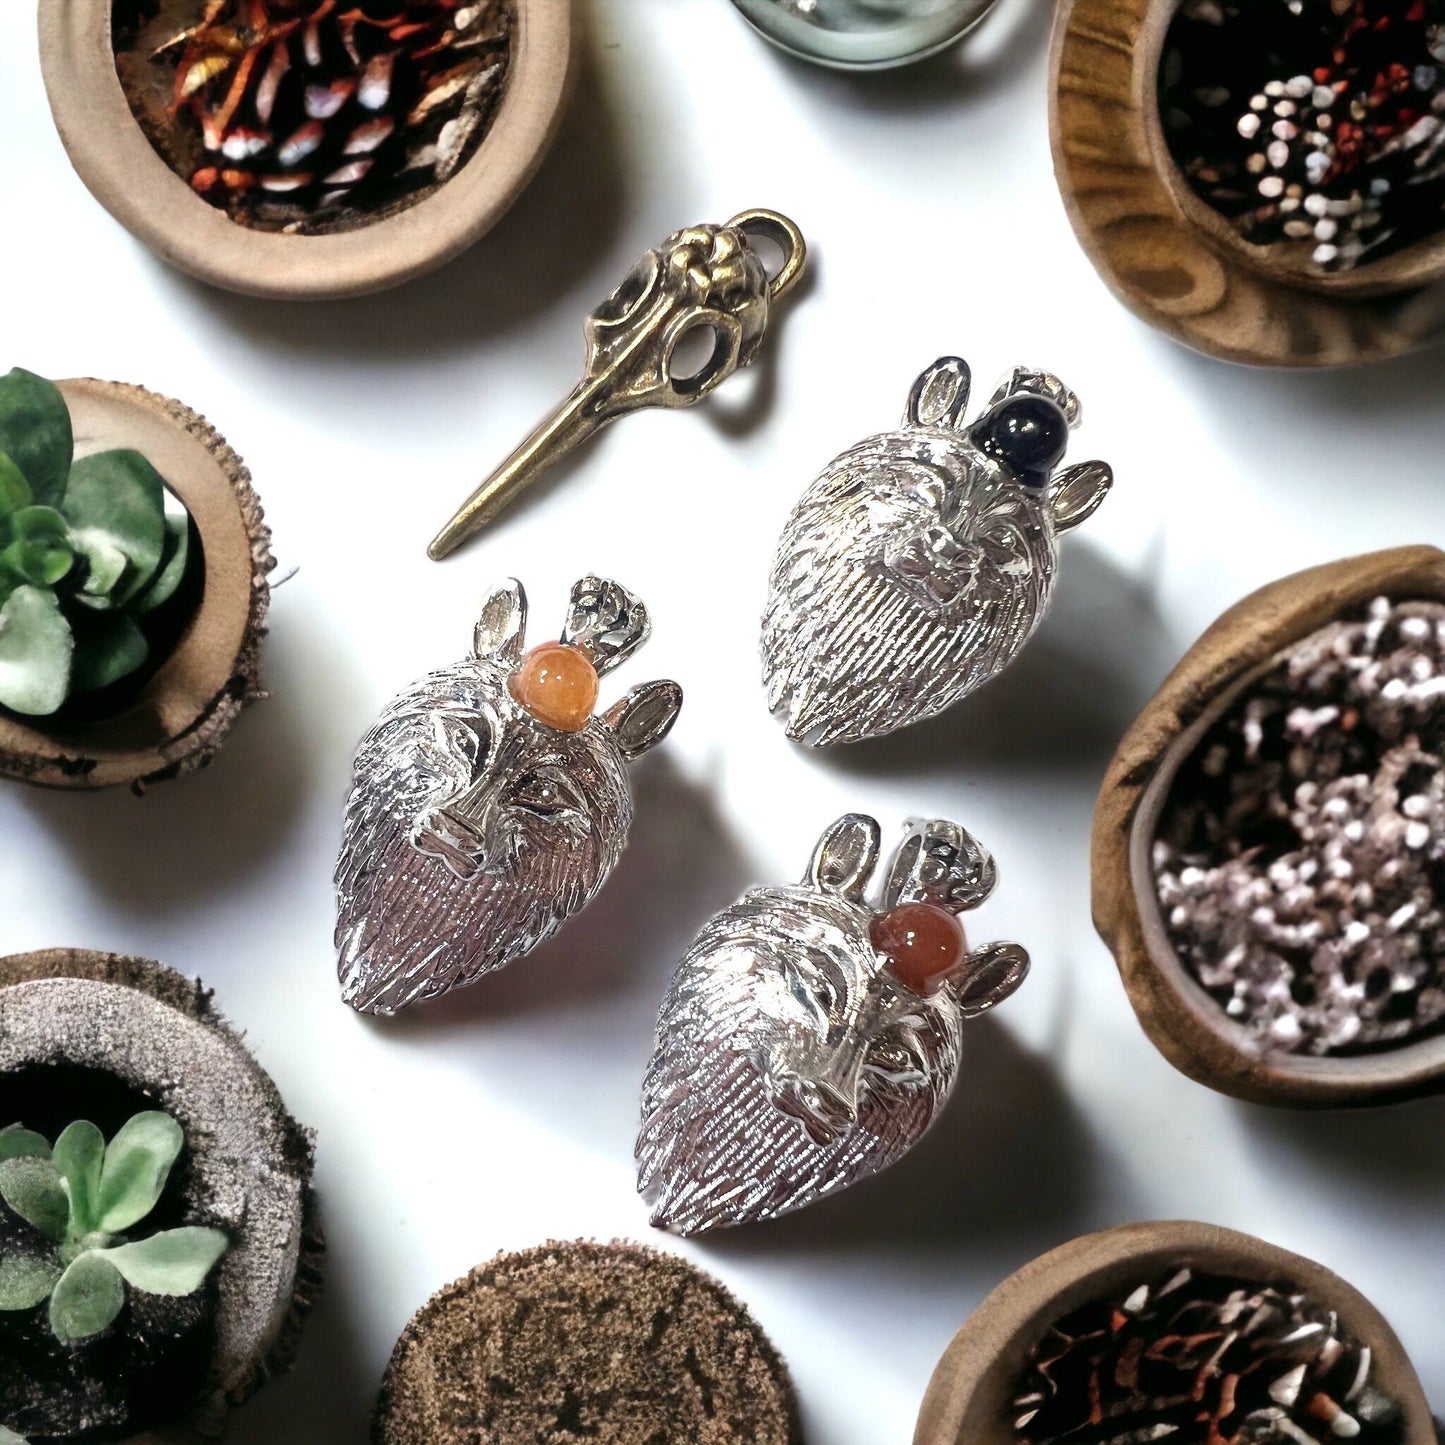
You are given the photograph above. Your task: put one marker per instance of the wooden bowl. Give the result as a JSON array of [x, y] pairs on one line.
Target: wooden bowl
[[185, 709], [139, 1035], [1174, 260], [125, 173], [1187, 1026], [969, 1397]]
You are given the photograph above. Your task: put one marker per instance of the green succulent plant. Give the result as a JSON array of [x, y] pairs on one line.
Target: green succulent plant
[[87, 1197], [86, 550]]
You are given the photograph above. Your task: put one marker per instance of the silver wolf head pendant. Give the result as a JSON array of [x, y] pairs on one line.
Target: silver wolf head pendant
[[918, 564], [808, 1039], [488, 805]]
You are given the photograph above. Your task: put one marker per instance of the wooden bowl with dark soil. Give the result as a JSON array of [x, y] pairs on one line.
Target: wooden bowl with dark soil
[[1188, 1025], [371, 213], [973, 1396], [577, 1340], [171, 719], [102, 1036], [1175, 260]]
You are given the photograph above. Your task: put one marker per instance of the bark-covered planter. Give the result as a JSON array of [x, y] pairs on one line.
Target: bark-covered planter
[[1185, 1023], [104, 64], [978, 1391], [1175, 261], [177, 720], [100, 1037], [580, 1340]]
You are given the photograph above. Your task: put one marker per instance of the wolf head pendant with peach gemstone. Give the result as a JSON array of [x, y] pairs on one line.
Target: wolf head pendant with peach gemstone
[[809, 1038], [920, 562], [488, 803]]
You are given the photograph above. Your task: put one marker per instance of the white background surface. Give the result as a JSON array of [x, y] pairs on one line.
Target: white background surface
[[505, 1115]]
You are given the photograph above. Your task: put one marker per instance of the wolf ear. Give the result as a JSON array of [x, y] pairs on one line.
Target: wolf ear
[[1077, 491], [503, 624], [940, 396], [989, 975], [644, 717], [845, 857]]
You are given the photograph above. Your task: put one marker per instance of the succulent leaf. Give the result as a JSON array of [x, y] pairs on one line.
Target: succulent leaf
[[78, 1154], [14, 489], [137, 1163], [36, 646], [40, 552], [76, 539], [18, 1143], [36, 523], [121, 496], [86, 1299], [41, 562], [172, 568], [35, 433], [106, 565], [174, 1262], [33, 1189], [108, 649], [24, 1282]]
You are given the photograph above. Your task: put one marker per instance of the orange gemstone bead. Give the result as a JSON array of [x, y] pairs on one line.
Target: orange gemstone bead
[[557, 684], [921, 942]]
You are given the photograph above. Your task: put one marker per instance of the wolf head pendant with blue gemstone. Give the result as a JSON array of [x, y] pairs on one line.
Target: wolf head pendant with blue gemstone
[[919, 563], [488, 804], [810, 1038]]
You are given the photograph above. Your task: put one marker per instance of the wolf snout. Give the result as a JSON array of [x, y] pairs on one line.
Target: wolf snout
[[823, 1109], [459, 841], [937, 562]]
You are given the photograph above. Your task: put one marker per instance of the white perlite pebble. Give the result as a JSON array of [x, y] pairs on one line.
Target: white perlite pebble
[[1300, 868]]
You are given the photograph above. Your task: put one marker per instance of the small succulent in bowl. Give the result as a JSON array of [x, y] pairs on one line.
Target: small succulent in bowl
[[88, 550], [86, 1198]]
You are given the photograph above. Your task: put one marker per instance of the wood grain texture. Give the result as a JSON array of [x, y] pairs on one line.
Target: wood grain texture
[[185, 710], [968, 1398], [124, 172], [1186, 1026], [1167, 257]]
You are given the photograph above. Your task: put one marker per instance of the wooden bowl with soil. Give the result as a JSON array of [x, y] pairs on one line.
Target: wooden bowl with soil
[[1176, 260], [110, 72], [1284, 969], [102, 1036], [170, 720], [982, 1387], [579, 1340]]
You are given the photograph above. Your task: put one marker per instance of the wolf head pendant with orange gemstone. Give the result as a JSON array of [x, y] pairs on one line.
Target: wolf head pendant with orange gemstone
[[488, 804], [918, 564], [809, 1038]]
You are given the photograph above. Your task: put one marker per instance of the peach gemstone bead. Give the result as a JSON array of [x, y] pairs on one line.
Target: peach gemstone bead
[[557, 684], [921, 943]]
